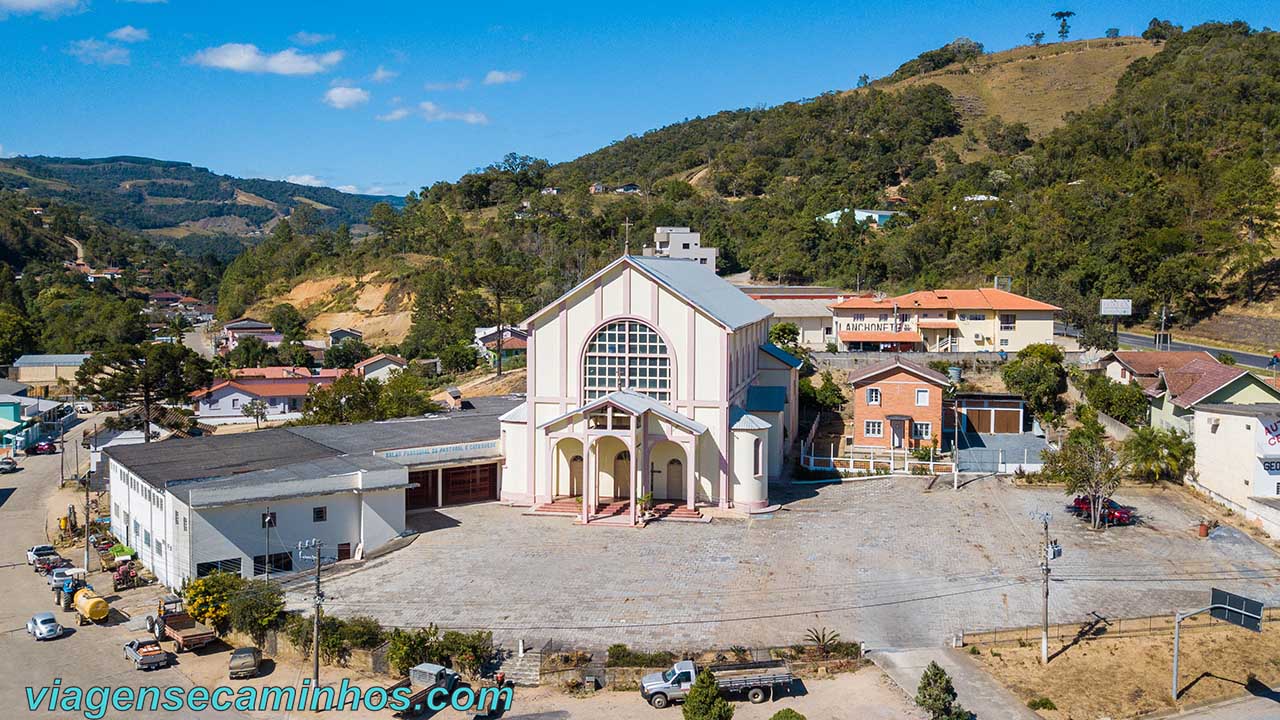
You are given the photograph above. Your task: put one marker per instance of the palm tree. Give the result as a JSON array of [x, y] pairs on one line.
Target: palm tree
[[1153, 454], [1063, 28]]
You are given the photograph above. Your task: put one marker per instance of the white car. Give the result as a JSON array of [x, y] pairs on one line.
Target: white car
[[38, 551], [44, 626]]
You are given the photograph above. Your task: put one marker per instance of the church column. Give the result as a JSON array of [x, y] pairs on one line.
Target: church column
[[588, 477], [691, 473], [635, 469]]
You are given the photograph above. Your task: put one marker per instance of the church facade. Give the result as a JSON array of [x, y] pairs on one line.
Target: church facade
[[651, 380]]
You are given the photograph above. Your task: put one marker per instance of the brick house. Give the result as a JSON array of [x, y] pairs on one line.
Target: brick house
[[897, 405]]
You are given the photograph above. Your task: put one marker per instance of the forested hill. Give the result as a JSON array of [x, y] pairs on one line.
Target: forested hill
[[176, 199], [1163, 192]]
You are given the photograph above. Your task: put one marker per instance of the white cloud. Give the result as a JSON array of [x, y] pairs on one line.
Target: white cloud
[[302, 37], [442, 86], [371, 190], [96, 52], [502, 77], [382, 74], [344, 98], [394, 115], [435, 113], [129, 34], [311, 180], [48, 8], [244, 57]]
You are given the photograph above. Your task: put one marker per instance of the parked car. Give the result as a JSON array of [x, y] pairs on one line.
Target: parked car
[[38, 551], [84, 408], [44, 447], [8, 465], [1111, 512], [44, 626], [59, 576], [757, 680], [146, 654], [244, 663]]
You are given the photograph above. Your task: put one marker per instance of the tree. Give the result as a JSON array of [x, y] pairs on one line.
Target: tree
[[704, 702], [293, 354], [459, 357], [143, 374], [1085, 466], [864, 80], [1159, 29], [15, 335], [1038, 376], [257, 608], [1226, 358], [1064, 30], [208, 599], [504, 273], [1112, 33], [287, 320], [256, 409], [346, 354], [1098, 336], [1036, 38], [404, 395], [349, 399], [251, 352], [1152, 454], [937, 696]]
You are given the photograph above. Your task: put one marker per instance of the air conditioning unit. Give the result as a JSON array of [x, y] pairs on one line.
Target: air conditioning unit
[[977, 337]]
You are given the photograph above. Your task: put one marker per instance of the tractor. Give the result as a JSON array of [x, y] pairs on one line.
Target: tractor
[[125, 577]]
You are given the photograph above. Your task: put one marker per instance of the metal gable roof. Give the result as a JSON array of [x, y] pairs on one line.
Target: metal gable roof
[[692, 281], [636, 404], [781, 355]]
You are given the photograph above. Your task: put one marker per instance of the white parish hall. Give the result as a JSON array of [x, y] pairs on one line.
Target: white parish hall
[[653, 378]]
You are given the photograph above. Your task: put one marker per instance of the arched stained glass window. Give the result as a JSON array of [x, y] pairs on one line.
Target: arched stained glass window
[[627, 355]]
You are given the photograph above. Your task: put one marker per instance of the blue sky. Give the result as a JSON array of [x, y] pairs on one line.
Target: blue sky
[[392, 96]]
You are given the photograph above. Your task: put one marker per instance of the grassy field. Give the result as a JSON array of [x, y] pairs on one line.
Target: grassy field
[[1129, 677]]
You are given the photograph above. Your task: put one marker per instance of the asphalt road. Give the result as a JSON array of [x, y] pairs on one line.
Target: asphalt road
[[1242, 358], [90, 656]]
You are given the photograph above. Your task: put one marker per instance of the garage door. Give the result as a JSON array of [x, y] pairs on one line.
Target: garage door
[[979, 420], [470, 484], [425, 495], [1007, 421]]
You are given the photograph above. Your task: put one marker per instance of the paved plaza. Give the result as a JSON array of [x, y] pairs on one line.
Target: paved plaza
[[883, 561]]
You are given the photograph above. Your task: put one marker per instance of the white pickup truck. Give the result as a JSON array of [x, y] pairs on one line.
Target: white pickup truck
[[757, 680]]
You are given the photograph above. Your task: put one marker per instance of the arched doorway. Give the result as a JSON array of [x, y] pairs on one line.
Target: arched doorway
[[622, 476], [667, 471], [568, 470]]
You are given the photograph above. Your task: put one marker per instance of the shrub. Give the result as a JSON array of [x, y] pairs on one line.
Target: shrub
[[208, 599], [334, 649], [787, 714], [468, 653], [1041, 703], [258, 608], [704, 702], [622, 656], [822, 639], [363, 632], [407, 648]]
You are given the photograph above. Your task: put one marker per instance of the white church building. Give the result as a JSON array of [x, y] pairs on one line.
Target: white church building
[[653, 378]]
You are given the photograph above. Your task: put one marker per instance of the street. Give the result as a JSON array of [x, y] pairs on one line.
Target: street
[[1145, 342]]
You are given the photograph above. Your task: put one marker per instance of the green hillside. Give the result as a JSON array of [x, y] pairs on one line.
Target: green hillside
[[176, 199]]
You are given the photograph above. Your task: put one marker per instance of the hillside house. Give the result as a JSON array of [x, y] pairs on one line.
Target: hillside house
[[897, 405], [337, 335], [981, 320], [683, 243], [380, 366], [1177, 382], [1238, 459], [46, 373]]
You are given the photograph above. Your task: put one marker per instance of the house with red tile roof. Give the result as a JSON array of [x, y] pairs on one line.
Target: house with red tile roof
[[1177, 382], [380, 366], [282, 389], [981, 320]]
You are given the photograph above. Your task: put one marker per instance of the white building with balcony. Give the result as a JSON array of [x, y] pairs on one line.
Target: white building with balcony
[[682, 243]]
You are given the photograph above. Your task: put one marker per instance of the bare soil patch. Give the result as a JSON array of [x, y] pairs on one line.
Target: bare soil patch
[[1124, 678]]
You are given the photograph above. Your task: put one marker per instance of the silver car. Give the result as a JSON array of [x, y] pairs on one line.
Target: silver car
[[44, 626]]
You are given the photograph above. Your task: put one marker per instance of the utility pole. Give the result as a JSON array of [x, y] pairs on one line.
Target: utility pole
[[1051, 550], [955, 445], [315, 545], [266, 544]]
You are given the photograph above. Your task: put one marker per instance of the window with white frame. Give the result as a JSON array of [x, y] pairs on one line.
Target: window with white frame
[[922, 397], [873, 396], [627, 355], [873, 428], [921, 430], [1004, 342], [1008, 321]]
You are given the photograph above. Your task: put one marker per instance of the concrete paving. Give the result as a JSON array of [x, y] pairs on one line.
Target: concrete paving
[[882, 561], [976, 691]]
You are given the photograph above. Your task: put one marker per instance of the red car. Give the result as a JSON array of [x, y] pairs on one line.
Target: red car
[[44, 447], [1111, 513]]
